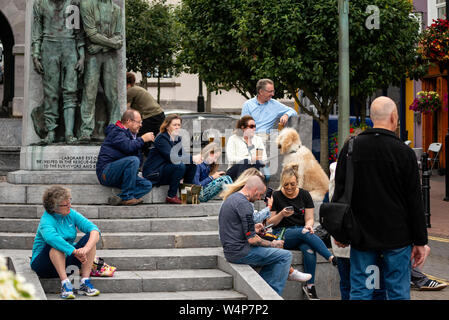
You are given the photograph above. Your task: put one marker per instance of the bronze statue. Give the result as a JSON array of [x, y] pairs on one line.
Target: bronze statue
[[58, 55], [102, 24]]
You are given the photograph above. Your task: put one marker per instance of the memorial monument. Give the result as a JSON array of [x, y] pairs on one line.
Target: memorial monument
[[74, 81]]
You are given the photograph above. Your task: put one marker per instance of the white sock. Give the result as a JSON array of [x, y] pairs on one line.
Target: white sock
[[65, 281], [84, 279]]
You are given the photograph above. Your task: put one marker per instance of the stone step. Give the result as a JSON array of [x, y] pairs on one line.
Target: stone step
[[15, 225], [52, 177], [125, 240], [165, 259], [177, 295], [32, 211], [81, 194], [155, 281], [149, 259]]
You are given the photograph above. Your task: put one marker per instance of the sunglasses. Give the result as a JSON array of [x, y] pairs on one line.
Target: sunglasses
[[251, 126]]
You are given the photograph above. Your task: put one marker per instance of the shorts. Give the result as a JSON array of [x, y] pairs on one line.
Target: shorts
[[43, 266]]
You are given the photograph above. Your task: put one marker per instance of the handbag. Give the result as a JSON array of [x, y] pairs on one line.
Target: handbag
[[190, 192], [337, 217]]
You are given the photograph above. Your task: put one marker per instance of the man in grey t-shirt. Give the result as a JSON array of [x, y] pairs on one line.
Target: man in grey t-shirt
[[242, 245]]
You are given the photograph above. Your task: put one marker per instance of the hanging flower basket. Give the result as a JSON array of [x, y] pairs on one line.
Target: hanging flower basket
[[434, 42], [426, 102]]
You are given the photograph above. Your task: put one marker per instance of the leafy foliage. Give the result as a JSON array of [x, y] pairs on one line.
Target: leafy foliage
[[152, 37], [234, 43]]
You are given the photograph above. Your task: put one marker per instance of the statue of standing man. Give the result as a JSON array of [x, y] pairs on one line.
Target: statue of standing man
[[102, 23], [58, 55]]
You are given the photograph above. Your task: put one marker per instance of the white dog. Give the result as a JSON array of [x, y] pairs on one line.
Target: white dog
[[311, 176]]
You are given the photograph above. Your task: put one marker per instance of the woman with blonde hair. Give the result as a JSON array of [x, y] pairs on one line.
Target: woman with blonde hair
[[293, 219], [240, 182], [262, 215], [207, 174]]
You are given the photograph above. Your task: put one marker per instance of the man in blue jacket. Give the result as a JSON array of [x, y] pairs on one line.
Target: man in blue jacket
[[120, 158]]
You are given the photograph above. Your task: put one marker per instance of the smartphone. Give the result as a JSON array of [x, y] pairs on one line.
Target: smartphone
[[268, 226], [289, 208], [268, 194]]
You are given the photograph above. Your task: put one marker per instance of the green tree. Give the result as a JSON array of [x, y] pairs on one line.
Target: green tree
[[295, 43], [152, 39], [210, 49]]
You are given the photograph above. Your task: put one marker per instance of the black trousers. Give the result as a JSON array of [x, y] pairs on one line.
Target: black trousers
[[236, 170]]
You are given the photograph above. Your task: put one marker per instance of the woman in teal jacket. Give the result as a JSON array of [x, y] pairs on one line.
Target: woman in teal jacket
[[54, 246]]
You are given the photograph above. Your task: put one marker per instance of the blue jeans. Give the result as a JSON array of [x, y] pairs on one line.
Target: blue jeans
[[275, 265], [394, 271], [344, 270], [122, 174], [309, 244]]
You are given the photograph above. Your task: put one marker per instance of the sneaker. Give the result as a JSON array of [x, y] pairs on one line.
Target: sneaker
[[88, 289], [67, 291], [299, 276], [310, 294], [173, 200], [114, 200], [432, 285]]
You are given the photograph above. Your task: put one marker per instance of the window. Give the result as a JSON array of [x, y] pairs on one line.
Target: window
[[441, 9]]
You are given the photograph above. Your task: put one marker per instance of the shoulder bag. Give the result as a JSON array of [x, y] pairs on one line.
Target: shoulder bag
[[337, 217]]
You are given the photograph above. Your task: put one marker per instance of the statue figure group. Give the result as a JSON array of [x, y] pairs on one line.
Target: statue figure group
[[63, 51]]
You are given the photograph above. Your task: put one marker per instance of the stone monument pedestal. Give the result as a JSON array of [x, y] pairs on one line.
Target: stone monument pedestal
[[59, 158]]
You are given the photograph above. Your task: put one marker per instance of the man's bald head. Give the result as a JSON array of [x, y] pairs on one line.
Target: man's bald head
[[254, 188], [384, 113]]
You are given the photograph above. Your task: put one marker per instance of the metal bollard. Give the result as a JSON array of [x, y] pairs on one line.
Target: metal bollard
[[425, 186]]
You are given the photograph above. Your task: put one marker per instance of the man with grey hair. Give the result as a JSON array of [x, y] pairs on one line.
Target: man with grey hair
[[242, 245], [265, 110], [387, 206], [120, 158]]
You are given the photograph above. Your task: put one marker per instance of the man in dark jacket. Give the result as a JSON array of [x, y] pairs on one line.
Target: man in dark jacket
[[120, 158], [387, 205]]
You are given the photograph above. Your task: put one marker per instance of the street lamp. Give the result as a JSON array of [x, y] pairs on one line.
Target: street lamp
[[343, 73], [200, 102]]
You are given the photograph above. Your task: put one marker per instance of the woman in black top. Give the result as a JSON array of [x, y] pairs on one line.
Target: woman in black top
[[295, 225]]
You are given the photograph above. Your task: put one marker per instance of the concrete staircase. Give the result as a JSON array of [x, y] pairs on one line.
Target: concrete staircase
[[166, 253], [161, 251]]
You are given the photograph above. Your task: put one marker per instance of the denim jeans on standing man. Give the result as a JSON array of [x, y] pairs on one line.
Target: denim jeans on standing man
[[395, 272]]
